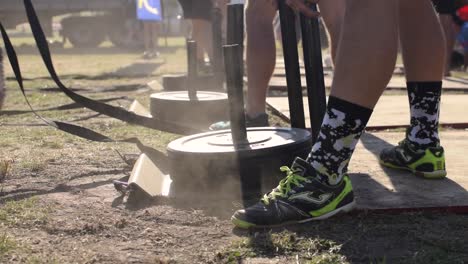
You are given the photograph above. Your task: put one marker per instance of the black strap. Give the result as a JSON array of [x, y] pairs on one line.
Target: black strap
[[155, 155], [102, 108]]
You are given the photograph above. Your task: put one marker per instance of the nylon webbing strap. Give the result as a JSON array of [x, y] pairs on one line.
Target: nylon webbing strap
[[156, 156], [102, 108]]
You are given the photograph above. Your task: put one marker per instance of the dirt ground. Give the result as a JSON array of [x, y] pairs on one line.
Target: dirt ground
[[58, 204]]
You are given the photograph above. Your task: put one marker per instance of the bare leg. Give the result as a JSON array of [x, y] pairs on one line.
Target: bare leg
[[450, 35], [202, 35], [147, 35], [422, 46], [154, 36], [261, 53], [367, 52], [333, 12]]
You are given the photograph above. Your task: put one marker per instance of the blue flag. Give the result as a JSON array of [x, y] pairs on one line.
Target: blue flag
[[149, 10]]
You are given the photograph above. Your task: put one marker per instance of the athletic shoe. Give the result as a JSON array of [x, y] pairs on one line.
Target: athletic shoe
[[428, 163], [300, 197], [259, 121]]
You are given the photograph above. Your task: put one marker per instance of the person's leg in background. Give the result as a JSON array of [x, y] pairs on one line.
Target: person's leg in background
[[450, 37], [155, 38], [261, 53], [319, 187], [199, 14], [202, 34], [147, 39], [424, 53], [150, 36], [463, 39], [260, 59]]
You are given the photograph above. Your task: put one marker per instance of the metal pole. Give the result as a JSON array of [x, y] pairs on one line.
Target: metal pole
[[314, 71], [235, 24], [192, 71], [217, 60], [291, 61], [235, 27], [234, 82]]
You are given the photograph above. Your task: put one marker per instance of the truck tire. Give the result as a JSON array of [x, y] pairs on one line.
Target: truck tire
[[83, 32]]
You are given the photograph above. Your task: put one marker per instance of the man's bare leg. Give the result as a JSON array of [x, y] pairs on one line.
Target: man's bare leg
[[261, 53], [422, 46], [423, 49], [333, 12], [367, 52]]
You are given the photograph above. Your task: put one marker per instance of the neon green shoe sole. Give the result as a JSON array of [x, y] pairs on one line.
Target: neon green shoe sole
[[428, 164], [299, 207]]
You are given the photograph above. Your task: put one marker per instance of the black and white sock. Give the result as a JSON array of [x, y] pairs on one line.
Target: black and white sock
[[341, 129], [424, 100]]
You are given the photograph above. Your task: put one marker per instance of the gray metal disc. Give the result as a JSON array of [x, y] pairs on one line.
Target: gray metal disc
[[263, 139], [183, 96], [208, 166]]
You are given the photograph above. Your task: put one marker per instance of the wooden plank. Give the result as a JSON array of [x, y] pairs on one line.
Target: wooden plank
[[393, 110], [381, 188], [396, 83]]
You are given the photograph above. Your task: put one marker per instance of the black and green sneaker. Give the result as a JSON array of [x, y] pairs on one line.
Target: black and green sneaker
[[428, 163], [299, 198], [258, 121]]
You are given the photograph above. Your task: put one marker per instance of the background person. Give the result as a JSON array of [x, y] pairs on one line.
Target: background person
[[149, 12], [199, 13], [150, 36]]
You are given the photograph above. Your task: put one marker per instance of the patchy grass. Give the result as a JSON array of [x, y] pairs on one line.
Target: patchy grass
[[7, 244], [34, 165], [5, 166], [24, 213], [270, 245], [42, 260]]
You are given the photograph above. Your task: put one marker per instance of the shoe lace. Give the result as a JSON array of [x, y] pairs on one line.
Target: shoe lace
[[285, 185]]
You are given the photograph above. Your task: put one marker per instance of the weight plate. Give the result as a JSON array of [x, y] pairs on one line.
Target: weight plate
[[176, 107], [226, 139], [206, 166], [261, 140], [183, 96], [178, 82]]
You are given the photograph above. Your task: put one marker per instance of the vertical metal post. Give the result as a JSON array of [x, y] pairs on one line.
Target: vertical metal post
[[235, 24], [235, 27], [192, 71], [234, 82], [291, 61], [217, 60], [249, 174], [314, 71]]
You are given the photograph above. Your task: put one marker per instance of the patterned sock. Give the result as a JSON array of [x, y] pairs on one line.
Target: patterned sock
[[424, 100], [341, 129]]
